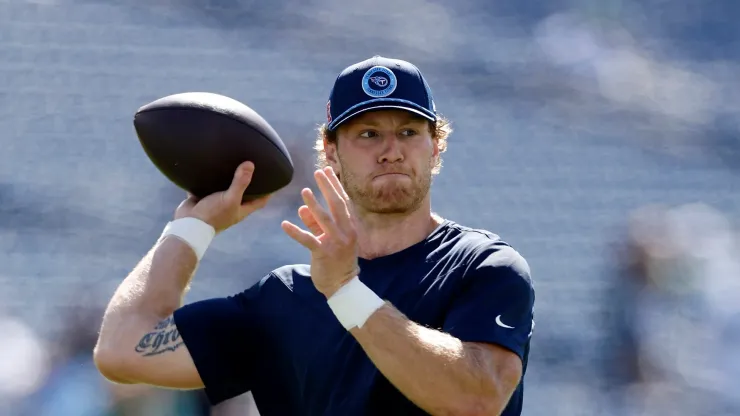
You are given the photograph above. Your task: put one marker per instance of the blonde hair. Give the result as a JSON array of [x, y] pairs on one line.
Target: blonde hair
[[440, 129]]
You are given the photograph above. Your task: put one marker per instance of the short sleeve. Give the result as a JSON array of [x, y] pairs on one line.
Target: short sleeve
[[495, 304], [219, 334]]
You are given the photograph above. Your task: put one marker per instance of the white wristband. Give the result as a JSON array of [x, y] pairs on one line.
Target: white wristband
[[353, 303], [194, 232]]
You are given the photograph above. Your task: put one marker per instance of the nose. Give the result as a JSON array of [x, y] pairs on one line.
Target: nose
[[392, 151]]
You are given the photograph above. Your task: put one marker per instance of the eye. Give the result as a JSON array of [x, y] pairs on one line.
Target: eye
[[368, 134], [409, 132]]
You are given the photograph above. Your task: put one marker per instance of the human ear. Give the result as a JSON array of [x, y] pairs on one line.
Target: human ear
[[330, 153]]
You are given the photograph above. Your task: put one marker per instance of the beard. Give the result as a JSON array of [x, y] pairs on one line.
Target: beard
[[390, 196]]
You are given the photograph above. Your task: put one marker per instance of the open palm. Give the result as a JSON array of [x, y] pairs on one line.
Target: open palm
[[331, 236]]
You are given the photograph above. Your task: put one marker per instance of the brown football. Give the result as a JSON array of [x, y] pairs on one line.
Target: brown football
[[197, 140]]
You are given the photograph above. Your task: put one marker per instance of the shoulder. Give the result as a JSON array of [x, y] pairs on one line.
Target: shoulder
[[482, 246], [286, 277], [282, 283], [484, 252]]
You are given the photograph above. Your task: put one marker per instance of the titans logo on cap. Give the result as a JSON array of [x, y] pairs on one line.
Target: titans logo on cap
[[378, 82]]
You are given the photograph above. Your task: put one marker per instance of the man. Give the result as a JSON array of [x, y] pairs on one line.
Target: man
[[400, 312]]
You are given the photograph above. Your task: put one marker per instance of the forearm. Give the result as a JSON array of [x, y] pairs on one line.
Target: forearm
[[151, 292], [436, 371]]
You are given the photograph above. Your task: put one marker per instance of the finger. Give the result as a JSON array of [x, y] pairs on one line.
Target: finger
[[334, 179], [305, 214], [319, 213], [242, 179], [303, 237], [337, 204]]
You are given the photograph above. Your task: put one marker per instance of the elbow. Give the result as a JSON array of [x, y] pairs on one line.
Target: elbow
[[495, 398], [479, 406], [110, 364], [487, 406], [491, 400]]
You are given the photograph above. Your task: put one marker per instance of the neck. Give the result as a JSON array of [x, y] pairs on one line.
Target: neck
[[383, 234]]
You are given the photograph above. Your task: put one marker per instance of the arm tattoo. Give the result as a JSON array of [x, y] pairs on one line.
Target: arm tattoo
[[164, 338]]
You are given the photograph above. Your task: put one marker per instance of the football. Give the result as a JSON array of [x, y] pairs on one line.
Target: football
[[197, 140]]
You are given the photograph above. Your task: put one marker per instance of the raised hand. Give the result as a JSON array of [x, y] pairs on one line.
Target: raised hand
[[331, 236], [223, 209]]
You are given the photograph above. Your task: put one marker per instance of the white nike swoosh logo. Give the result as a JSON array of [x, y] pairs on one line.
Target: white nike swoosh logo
[[501, 324]]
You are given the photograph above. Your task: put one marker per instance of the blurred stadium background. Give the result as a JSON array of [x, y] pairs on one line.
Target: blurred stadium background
[[599, 138]]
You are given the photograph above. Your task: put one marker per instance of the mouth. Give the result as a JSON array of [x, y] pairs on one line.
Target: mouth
[[391, 174]]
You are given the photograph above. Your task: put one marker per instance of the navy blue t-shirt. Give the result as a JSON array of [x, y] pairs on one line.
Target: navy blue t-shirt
[[279, 339]]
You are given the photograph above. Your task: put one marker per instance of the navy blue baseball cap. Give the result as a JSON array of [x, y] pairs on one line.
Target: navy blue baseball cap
[[379, 83]]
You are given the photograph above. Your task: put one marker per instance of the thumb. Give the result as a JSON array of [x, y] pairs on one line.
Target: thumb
[[242, 179]]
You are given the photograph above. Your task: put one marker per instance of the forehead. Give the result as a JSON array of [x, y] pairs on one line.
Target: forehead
[[385, 117]]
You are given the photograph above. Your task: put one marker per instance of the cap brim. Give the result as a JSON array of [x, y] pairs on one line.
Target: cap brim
[[412, 108]]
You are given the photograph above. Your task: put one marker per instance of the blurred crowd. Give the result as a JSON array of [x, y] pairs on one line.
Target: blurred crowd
[[598, 137], [675, 314]]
